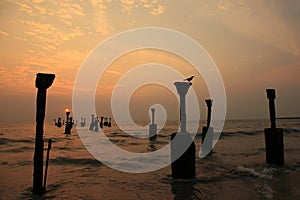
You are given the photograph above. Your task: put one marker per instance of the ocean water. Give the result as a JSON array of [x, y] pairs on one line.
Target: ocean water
[[236, 170]]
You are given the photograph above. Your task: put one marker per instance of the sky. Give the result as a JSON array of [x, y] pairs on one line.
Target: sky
[[255, 45]]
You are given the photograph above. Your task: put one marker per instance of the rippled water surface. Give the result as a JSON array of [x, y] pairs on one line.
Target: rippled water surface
[[236, 170]]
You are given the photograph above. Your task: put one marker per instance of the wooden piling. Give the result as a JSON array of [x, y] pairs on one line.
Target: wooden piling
[[184, 167], [42, 83], [208, 135], [274, 146], [47, 162], [101, 122], [271, 96], [207, 131], [273, 136], [152, 127], [69, 123], [209, 105]]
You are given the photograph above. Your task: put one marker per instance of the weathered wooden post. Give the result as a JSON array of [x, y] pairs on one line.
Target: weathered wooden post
[[207, 132], [42, 83], [109, 122], [184, 166], [96, 124], [273, 136], [58, 122], [47, 161], [69, 123], [82, 122], [101, 122], [105, 121], [92, 124], [152, 127]]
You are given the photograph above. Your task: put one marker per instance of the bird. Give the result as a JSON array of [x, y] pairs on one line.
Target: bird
[[189, 79]]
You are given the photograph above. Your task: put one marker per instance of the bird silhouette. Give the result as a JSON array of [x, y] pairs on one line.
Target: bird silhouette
[[189, 79]]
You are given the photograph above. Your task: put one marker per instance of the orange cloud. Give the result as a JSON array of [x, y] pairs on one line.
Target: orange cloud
[[3, 33], [259, 21], [154, 6]]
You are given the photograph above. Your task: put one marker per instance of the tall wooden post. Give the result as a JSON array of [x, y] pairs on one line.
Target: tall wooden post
[[273, 136], [42, 82], [47, 161], [68, 124], [207, 132], [209, 105], [183, 146], [152, 127]]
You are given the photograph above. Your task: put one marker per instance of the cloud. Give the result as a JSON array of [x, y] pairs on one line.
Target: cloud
[[158, 10], [38, 1], [114, 72], [40, 9], [3, 33], [50, 24], [259, 21], [17, 79], [25, 7], [155, 8], [21, 77], [51, 37], [231, 4]]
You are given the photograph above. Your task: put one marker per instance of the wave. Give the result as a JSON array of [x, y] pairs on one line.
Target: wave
[[17, 150], [75, 161], [266, 173], [9, 140], [257, 132], [226, 134], [291, 130]]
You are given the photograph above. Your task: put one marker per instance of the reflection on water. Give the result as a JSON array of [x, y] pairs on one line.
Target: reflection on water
[[184, 190], [237, 166]]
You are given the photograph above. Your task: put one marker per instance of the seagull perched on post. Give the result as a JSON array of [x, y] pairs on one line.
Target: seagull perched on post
[[189, 79]]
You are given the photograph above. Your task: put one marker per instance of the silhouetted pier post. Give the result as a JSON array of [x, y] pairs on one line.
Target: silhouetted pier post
[[69, 122], [96, 124], [92, 124], [101, 122], [271, 96], [47, 161], [273, 136], [82, 122], [184, 166], [152, 127], [207, 131], [105, 121], [58, 122], [109, 122], [42, 82]]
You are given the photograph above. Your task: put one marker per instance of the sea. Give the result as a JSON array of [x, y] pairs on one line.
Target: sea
[[236, 169]]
